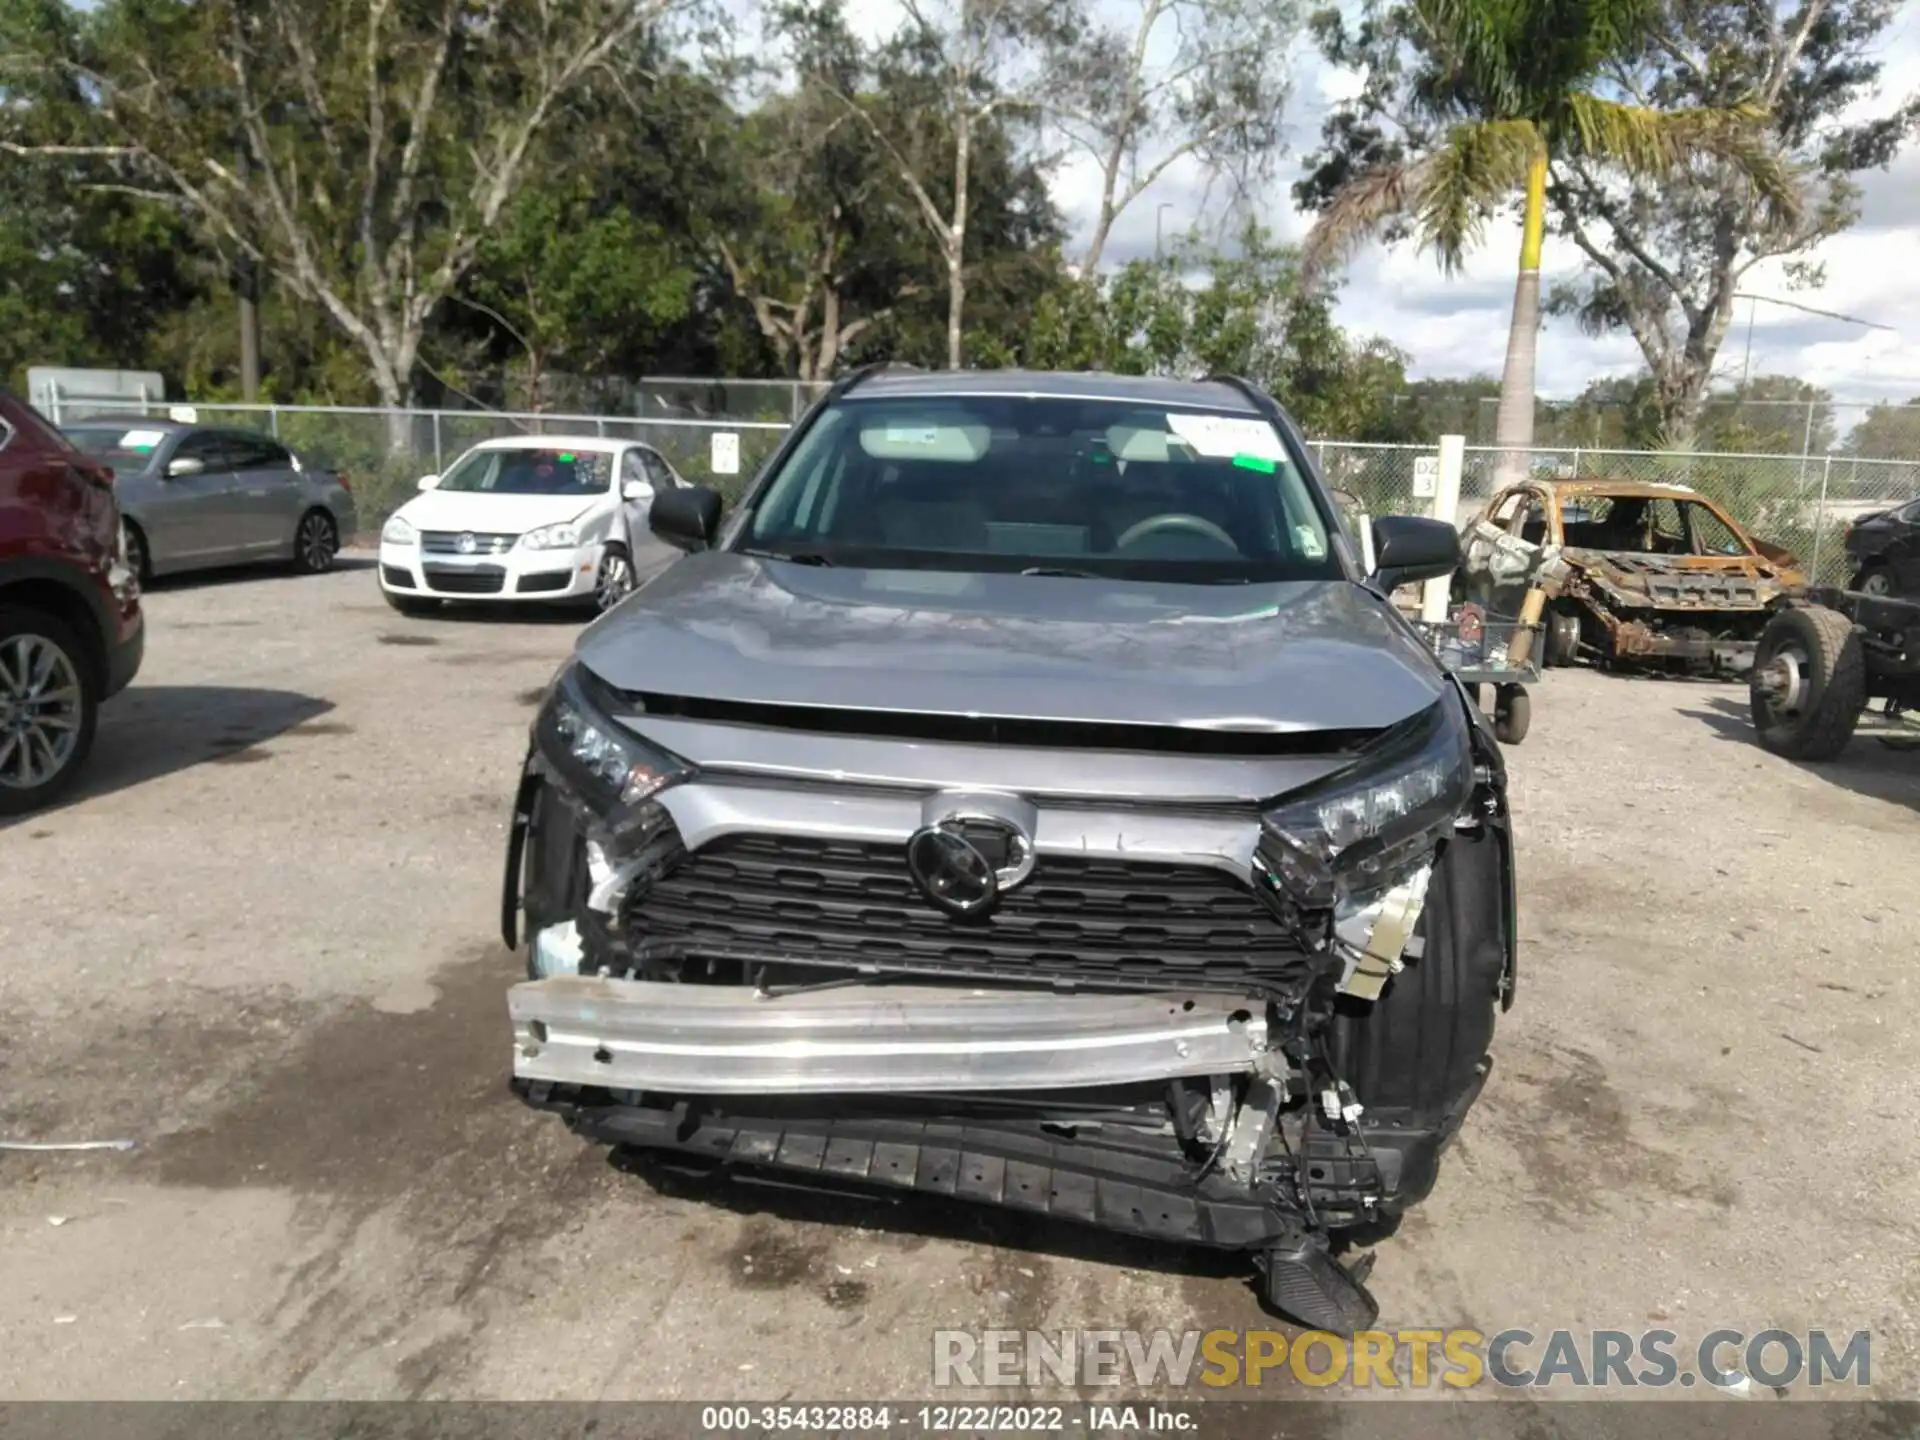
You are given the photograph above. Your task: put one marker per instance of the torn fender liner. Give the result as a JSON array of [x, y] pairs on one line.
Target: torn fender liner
[[737, 1039]]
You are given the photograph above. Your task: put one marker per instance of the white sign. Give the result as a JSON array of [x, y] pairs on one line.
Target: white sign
[[184, 414], [1426, 476], [726, 453]]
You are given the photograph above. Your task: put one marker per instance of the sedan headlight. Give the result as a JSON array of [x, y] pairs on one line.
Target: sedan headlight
[[1373, 824], [552, 537], [608, 763], [397, 532]]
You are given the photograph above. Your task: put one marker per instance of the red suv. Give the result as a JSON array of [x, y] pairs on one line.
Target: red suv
[[70, 627]]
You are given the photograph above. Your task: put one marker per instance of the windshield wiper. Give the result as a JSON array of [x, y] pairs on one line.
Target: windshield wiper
[[1060, 572], [802, 557]]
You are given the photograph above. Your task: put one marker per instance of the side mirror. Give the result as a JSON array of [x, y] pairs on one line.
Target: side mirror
[[1407, 548], [639, 492], [183, 465], [427, 482], [686, 519]]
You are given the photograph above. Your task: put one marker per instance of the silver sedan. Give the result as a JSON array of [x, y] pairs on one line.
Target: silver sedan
[[192, 496]]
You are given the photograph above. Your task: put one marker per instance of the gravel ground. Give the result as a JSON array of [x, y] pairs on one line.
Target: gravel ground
[[278, 971]]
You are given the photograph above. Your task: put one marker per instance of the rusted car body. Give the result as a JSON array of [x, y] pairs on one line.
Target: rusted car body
[[1632, 571]]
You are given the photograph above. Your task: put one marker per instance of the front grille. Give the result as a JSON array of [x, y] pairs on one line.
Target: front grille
[[466, 580], [394, 575], [546, 580], [447, 542], [845, 905]]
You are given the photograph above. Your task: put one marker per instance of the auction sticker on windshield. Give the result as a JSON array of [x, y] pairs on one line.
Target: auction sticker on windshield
[[1222, 437]]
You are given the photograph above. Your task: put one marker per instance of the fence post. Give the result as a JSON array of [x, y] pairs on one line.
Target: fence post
[[1820, 521], [438, 466], [273, 420], [1446, 506], [1576, 462]]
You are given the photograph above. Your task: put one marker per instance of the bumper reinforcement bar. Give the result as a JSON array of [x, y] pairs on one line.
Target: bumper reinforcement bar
[[736, 1040]]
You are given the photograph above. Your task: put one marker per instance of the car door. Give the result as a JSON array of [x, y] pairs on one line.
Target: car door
[[194, 519], [1903, 548], [268, 493], [650, 554]]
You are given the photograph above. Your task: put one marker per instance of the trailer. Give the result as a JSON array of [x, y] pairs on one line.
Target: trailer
[[1832, 663]]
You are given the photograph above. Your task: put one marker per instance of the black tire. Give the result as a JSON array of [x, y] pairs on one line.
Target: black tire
[[1808, 684], [1873, 579], [1512, 715], [614, 582], [1563, 638], [79, 664], [415, 606], [139, 560], [316, 541]]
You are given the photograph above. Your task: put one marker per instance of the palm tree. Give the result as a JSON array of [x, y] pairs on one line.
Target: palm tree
[[1503, 87]]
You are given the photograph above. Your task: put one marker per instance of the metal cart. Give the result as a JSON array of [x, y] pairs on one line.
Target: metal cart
[[1489, 650]]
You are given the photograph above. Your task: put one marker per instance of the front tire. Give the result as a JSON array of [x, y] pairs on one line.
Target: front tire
[[1873, 580], [1808, 684], [139, 561], [316, 541], [49, 707], [1563, 638], [614, 582]]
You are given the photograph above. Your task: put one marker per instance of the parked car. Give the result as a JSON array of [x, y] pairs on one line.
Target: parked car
[[1884, 549], [1026, 796], [1632, 571], [197, 496], [71, 633], [537, 517]]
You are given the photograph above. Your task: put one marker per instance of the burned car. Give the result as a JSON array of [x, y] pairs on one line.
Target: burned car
[[1631, 571], [1025, 797]]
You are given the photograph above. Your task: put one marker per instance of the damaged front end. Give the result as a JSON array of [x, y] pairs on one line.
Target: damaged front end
[[1231, 1022]]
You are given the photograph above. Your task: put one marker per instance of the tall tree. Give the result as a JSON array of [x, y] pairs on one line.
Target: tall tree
[[358, 151], [1173, 80], [953, 72], [1887, 432], [1669, 252], [1468, 102]]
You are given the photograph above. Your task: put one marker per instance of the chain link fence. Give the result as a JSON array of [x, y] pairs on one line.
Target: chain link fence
[[1801, 502]]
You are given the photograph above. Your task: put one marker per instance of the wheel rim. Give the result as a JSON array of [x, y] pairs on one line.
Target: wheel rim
[[1782, 680], [1877, 583], [616, 579], [39, 711], [316, 542]]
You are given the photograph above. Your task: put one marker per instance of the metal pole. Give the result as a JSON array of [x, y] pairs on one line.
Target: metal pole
[[1820, 520], [273, 420], [1576, 462], [436, 442], [246, 287], [1746, 363]]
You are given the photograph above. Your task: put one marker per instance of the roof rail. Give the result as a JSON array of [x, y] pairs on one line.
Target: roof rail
[[1246, 387], [853, 378]]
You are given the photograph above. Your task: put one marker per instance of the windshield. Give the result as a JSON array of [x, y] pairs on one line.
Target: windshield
[[128, 450], [1054, 485], [532, 471]]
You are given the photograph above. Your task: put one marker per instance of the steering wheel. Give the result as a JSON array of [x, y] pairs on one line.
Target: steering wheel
[[1172, 520]]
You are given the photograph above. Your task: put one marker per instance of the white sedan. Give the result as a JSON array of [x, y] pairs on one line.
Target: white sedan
[[538, 517]]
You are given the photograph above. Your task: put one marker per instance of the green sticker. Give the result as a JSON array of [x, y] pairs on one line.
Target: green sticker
[[1255, 462], [566, 457]]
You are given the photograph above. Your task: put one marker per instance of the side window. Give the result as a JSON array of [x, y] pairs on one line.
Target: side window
[[255, 452], [1533, 521], [208, 447], [1711, 534], [633, 466], [1509, 506], [662, 473]]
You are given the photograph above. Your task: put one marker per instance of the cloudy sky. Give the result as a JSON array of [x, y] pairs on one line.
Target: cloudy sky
[[1458, 326]]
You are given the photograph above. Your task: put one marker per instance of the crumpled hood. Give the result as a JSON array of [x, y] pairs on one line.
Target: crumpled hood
[[1303, 655], [1740, 582], [492, 514]]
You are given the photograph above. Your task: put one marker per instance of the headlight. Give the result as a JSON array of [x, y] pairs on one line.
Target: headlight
[[607, 762], [552, 537], [1365, 829], [397, 532]]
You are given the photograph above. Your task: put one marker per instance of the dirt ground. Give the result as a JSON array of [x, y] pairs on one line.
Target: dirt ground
[[262, 943]]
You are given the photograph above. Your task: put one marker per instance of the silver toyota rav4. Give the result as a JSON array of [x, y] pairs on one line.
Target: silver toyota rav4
[[1024, 796]]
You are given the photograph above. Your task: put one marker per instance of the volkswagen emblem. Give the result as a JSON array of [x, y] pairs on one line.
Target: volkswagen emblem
[[970, 850], [466, 544]]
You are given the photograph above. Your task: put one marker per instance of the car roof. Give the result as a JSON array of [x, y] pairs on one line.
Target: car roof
[[1059, 384], [589, 443], [1619, 489]]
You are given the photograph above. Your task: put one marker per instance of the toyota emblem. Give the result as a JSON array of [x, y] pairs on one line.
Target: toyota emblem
[[466, 544], [971, 849], [951, 871]]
